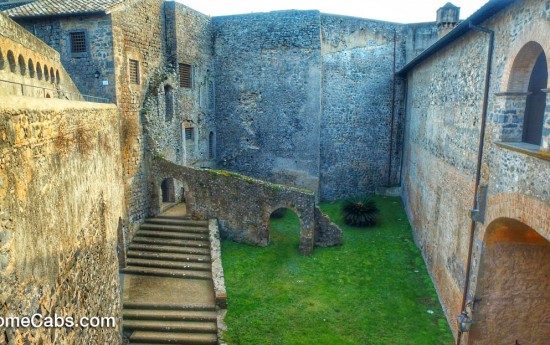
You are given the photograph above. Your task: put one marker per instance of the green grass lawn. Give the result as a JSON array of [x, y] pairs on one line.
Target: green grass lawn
[[372, 290]]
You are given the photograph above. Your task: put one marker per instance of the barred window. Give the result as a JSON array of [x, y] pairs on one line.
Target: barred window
[[189, 133], [134, 71], [78, 42], [185, 75]]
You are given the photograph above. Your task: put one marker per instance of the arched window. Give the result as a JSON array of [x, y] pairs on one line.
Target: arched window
[[536, 102], [11, 61], [169, 102], [22, 65], [46, 73], [39, 71], [31, 68]]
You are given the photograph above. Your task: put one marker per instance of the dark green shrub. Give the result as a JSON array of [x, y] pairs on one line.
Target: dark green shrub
[[360, 212]]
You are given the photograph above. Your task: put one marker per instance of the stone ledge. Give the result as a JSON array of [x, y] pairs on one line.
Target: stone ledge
[[525, 148]]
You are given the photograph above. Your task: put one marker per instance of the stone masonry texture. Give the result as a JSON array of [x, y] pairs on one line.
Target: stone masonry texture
[[444, 107], [61, 199]]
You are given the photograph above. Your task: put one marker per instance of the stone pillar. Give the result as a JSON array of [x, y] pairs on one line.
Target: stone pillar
[[545, 144], [507, 116]]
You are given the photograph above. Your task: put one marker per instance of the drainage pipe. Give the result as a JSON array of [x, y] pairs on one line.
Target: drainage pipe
[[485, 107]]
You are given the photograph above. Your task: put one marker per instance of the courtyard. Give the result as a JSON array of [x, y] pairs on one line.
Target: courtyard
[[374, 289]]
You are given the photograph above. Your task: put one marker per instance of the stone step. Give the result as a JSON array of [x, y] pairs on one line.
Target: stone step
[[165, 272], [191, 266], [171, 326], [160, 248], [172, 242], [139, 254], [177, 221], [169, 234], [174, 228], [169, 306], [141, 337], [169, 315]]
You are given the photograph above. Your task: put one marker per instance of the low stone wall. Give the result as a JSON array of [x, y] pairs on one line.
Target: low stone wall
[[217, 268], [61, 199], [242, 204]]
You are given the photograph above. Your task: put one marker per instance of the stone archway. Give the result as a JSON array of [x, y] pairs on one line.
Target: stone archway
[[512, 302]]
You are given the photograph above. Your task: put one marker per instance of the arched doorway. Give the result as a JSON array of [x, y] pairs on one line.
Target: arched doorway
[[512, 303], [168, 190], [284, 230]]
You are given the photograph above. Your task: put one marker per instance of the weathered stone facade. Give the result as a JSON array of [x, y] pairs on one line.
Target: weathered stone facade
[[61, 202], [294, 97], [28, 67], [302, 119], [361, 117], [444, 108], [82, 66], [268, 68]]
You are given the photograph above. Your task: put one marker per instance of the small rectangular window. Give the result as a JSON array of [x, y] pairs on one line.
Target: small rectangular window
[[78, 42], [134, 71], [185, 75], [189, 133]]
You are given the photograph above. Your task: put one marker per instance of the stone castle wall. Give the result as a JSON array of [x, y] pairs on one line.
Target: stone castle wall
[[61, 200], [29, 67], [190, 42], [305, 99], [81, 66], [358, 57], [441, 144], [268, 104]]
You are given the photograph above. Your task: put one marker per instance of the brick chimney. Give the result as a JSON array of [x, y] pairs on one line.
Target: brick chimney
[[447, 18]]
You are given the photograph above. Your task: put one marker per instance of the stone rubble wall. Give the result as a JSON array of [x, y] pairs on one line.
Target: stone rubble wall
[[61, 199], [358, 57], [242, 204], [444, 107], [268, 87]]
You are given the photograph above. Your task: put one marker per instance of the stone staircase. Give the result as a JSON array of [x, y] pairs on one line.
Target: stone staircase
[[168, 289]]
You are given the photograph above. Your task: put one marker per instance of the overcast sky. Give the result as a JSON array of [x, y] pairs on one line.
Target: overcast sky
[[401, 11]]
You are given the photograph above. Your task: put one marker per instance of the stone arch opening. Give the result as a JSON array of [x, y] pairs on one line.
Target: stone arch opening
[[171, 191], [168, 102], [11, 61], [524, 102], [168, 191], [22, 64], [46, 73], [57, 78], [512, 296], [38, 71], [52, 74], [2, 60], [31, 68], [284, 228]]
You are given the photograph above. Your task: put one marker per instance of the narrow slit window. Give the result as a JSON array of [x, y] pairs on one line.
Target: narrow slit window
[[185, 75], [189, 133], [134, 71], [78, 42]]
